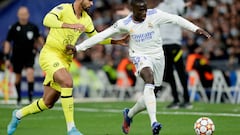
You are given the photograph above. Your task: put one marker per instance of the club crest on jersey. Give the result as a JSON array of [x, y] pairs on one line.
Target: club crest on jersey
[[30, 35], [18, 28], [115, 25], [56, 64], [150, 25], [131, 31]]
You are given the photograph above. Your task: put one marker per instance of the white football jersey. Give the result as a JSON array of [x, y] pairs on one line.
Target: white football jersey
[[145, 37]]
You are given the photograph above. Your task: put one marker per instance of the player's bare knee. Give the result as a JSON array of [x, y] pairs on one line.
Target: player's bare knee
[[67, 84], [149, 79]]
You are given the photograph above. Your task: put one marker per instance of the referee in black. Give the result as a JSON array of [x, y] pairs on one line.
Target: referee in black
[[20, 48], [172, 36]]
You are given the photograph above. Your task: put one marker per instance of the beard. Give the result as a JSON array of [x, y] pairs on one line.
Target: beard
[[85, 8]]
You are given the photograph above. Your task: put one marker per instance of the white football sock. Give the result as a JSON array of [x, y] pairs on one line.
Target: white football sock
[[138, 107], [70, 125], [150, 102], [19, 114]]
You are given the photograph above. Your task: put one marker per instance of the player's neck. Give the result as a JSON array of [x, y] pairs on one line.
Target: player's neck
[[23, 22], [77, 9], [135, 20]]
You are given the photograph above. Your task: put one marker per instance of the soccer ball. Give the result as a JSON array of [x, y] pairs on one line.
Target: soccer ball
[[204, 126]]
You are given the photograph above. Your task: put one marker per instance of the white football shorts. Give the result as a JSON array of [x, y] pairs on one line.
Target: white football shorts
[[157, 66]]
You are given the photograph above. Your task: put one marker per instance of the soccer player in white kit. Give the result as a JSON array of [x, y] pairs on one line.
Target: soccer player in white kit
[[145, 51]]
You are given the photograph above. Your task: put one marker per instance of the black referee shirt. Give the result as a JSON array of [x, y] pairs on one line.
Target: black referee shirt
[[23, 38]]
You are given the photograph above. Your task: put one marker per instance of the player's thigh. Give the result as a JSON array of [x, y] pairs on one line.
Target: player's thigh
[[158, 71], [63, 77], [144, 66], [51, 63], [141, 62]]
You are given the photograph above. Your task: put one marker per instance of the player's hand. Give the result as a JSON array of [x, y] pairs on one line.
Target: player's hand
[[188, 4], [123, 41], [203, 32], [7, 64], [78, 27], [123, 12], [70, 49]]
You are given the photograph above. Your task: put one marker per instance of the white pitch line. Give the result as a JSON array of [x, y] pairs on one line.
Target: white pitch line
[[163, 113], [201, 114]]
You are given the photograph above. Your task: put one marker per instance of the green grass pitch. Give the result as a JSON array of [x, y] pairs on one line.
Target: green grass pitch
[[105, 118]]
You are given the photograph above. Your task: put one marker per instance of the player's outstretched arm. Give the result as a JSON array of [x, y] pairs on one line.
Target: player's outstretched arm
[[203, 32], [190, 26], [71, 49], [98, 38], [123, 41]]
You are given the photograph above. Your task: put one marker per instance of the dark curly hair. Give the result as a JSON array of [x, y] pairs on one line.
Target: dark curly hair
[[134, 2]]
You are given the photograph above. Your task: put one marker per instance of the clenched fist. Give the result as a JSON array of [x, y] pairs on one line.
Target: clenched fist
[[70, 49]]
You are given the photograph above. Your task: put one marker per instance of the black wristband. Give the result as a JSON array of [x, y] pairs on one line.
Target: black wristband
[[6, 57]]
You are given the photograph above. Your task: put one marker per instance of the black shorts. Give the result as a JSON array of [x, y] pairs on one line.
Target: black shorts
[[20, 63]]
